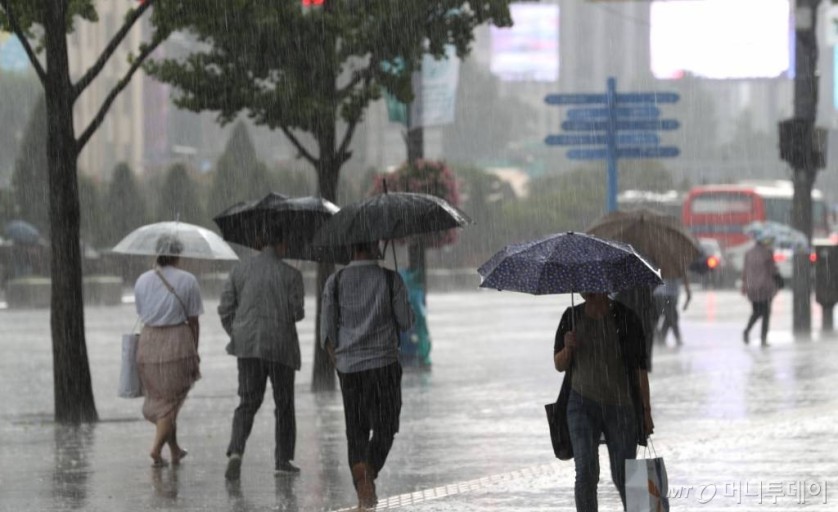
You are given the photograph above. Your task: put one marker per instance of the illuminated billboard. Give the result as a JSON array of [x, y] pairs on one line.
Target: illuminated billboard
[[721, 39], [528, 51]]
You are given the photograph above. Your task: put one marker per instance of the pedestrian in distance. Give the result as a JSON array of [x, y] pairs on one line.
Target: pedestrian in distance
[[666, 298], [168, 302], [642, 303], [261, 302], [760, 279], [365, 307], [600, 347]]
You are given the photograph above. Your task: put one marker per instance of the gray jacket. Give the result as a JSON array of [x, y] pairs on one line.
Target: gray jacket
[[261, 302]]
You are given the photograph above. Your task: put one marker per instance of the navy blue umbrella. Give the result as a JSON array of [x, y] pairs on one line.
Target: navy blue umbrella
[[22, 232], [567, 263]]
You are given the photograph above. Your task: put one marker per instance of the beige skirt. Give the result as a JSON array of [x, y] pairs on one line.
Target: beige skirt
[[167, 361]]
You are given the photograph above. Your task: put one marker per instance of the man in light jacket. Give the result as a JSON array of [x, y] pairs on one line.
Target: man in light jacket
[[260, 305], [364, 308]]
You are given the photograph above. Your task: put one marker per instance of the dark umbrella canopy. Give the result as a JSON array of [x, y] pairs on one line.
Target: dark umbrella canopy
[[567, 263], [278, 217], [659, 237], [389, 216]]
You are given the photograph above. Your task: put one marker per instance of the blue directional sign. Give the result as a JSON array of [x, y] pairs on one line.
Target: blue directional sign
[[648, 97], [575, 99], [590, 99], [659, 152], [619, 125], [588, 154], [623, 139], [602, 153], [599, 126], [622, 112]]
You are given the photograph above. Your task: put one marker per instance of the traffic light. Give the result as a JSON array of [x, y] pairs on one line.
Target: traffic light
[[802, 145]]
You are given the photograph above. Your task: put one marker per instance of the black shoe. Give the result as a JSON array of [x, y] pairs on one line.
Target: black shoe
[[286, 468], [234, 467], [745, 337]]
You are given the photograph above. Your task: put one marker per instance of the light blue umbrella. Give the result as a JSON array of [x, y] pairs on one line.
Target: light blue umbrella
[[783, 235]]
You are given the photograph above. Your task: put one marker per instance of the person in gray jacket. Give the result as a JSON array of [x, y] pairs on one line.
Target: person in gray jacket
[[364, 308], [260, 305]]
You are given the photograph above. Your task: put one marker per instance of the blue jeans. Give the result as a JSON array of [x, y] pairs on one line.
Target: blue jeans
[[587, 420]]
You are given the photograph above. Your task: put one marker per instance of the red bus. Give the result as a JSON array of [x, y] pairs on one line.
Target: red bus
[[722, 211]]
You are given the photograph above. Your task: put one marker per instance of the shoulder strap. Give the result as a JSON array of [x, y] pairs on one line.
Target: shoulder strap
[[173, 292], [337, 306], [389, 275]]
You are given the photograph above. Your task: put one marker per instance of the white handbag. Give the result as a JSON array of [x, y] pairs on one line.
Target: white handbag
[[647, 488], [129, 375]]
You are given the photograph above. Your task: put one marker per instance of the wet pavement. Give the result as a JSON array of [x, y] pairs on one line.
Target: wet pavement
[[738, 426]]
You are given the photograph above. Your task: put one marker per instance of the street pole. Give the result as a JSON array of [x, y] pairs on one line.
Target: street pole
[[611, 146], [805, 166]]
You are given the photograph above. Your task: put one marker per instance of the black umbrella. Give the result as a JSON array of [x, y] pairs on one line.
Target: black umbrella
[[277, 217], [389, 216]]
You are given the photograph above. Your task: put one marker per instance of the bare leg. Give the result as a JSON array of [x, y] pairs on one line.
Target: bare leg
[[162, 434], [177, 452]]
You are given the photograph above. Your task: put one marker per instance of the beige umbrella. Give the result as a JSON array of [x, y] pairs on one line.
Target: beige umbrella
[[659, 237]]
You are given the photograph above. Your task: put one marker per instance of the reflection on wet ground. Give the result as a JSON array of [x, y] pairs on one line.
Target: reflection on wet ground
[[473, 435]]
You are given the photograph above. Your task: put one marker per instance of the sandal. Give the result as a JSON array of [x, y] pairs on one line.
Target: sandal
[[180, 455]]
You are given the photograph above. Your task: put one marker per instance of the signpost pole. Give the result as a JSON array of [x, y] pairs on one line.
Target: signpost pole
[[611, 146]]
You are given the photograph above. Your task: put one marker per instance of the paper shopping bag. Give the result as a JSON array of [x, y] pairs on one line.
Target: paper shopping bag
[[129, 375], [646, 485]]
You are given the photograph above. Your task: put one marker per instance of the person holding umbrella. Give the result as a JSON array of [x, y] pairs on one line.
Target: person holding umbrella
[[599, 346], [604, 359], [260, 304], [760, 279], [168, 302], [365, 307]]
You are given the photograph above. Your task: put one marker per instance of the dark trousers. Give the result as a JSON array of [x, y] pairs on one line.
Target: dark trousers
[[253, 379], [761, 309], [668, 307], [587, 420], [372, 402]]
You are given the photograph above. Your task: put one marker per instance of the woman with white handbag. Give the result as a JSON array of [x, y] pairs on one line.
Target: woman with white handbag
[[168, 301]]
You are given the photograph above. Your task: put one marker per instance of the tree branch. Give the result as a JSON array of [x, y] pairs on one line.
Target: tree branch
[[39, 69], [109, 50], [299, 145], [106, 105], [343, 153]]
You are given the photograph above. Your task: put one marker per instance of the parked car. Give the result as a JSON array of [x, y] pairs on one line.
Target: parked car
[[712, 269]]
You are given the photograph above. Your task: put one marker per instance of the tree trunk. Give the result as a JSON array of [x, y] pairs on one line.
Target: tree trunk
[[323, 372], [71, 371]]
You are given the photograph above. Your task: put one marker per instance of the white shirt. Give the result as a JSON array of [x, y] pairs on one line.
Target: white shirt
[[156, 305]]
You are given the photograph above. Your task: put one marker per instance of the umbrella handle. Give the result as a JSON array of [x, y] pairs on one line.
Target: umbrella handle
[[393, 247]]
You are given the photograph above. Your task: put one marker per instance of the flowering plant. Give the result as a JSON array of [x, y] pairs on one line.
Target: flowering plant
[[432, 177]]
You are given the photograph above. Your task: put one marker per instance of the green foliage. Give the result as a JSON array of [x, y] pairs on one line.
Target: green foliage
[[279, 61], [124, 206], [7, 205], [30, 180], [179, 198], [239, 175], [305, 69], [29, 13]]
